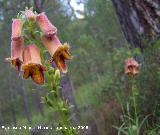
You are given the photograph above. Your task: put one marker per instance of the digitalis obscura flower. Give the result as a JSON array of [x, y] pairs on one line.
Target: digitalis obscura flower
[[16, 53], [59, 52], [32, 66], [131, 67], [17, 25], [45, 25]]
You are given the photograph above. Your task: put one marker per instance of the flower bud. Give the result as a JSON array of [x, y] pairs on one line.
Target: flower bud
[[17, 25], [57, 74], [45, 25]]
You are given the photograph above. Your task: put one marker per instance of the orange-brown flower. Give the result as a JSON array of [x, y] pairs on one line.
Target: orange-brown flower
[[16, 53], [59, 52], [17, 25], [131, 67], [30, 15], [45, 25], [32, 66]]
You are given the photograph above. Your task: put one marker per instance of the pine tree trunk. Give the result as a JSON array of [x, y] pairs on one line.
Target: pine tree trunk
[[39, 5], [139, 19]]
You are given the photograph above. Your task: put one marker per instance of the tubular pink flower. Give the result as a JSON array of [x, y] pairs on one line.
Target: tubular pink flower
[[59, 52], [32, 66], [16, 53], [45, 25], [30, 15], [17, 25], [131, 67]]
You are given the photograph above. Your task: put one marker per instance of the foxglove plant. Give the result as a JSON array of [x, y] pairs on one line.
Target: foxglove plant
[[31, 34], [131, 123]]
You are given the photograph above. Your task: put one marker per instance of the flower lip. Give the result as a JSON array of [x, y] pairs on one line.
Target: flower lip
[[32, 66], [35, 71], [45, 25], [17, 25]]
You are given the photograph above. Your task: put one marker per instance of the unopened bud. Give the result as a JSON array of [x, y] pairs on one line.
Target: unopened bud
[[51, 71], [57, 74]]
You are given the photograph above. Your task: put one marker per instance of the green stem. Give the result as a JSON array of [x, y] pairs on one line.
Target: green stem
[[134, 94], [59, 103]]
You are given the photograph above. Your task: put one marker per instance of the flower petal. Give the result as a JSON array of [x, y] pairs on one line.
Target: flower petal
[[38, 75], [51, 44], [31, 54], [32, 66], [16, 53], [59, 57]]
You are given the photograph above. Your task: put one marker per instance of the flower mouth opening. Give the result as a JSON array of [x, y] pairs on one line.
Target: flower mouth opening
[[60, 55]]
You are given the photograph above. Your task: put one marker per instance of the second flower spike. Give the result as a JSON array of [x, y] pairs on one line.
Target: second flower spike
[[131, 67], [32, 66]]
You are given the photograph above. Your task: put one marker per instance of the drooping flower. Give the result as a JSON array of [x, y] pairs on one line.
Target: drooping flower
[[30, 15], [16, 53], [17, 25], [131, 67], [45, 25], [59, 52], [32, 66]]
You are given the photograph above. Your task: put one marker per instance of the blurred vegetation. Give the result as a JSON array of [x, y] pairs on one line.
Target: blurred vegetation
[[101, 89]]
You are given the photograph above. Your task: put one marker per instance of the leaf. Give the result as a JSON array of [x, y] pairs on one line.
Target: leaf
[[121, 130], [145, 118], [125, 116]]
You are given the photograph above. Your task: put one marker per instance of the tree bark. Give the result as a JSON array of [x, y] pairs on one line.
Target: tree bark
[[39, 5], [139, 19]]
